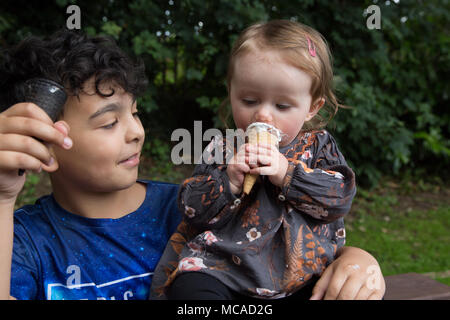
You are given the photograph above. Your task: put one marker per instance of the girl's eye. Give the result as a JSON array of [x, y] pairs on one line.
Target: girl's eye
[[136, 114], [110, 126], [249, 101], [283, 106]]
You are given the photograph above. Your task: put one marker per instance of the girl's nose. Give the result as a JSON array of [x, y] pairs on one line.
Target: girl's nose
[[263, 114]]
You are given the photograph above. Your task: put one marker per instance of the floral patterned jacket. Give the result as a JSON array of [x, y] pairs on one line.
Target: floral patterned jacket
[[270, 243]]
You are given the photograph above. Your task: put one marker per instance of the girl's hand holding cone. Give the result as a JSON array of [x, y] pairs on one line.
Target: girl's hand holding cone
[[264, 134], [236, 170], [252, 160], [265, 159]]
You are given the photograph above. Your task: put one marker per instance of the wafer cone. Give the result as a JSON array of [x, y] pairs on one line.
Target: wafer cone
[[255, 137], [46, 94]]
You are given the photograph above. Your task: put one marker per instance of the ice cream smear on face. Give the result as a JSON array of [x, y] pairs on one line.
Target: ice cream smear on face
[[262, 133]]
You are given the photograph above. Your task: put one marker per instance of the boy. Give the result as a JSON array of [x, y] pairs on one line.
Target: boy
[[110, 247]]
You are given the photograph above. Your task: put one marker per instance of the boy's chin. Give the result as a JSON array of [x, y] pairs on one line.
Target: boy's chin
[[122, 180], [129, 180]]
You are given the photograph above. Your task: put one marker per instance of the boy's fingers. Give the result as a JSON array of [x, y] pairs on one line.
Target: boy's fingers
[[64, 128], [11, 160], [343, 285], [321, 286], [364, 293], [35, 128], [350, 289], [317, 294], [375, 296], [337, 282], [28, 110], [27, 145]]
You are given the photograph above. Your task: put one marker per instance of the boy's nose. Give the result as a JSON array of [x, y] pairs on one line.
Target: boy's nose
[[263, 114], [135, 131]]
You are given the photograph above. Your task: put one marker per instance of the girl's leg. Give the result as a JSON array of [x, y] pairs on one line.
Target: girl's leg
[[198, 286]]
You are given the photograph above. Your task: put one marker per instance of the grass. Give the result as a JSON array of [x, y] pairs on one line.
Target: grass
[[405, 226], [444, 280], [403, 223], [416, 241]]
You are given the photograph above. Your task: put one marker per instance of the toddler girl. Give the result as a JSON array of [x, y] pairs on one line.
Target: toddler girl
[[274, 240]]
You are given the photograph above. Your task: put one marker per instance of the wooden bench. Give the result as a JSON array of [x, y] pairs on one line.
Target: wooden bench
[[414, 286]]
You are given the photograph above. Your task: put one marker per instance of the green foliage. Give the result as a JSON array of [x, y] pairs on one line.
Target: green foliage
[[28, 193], [395, 79]]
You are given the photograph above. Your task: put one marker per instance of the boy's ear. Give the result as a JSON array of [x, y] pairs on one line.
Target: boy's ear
[[54, 165], [315, 107], [63, 127]]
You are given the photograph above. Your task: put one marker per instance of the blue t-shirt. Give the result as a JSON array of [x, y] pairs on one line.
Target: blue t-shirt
[[59, 255]]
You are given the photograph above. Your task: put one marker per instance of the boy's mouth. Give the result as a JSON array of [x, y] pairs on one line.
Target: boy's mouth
[[131, 161]]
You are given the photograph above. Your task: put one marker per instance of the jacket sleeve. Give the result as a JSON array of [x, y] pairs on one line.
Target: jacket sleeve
[[319, 183], [205, 198]]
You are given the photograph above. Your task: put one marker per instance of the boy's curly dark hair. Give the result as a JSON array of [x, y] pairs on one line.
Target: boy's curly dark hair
[[69, 58]]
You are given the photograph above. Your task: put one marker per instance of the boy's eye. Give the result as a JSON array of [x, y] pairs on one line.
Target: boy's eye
[[111, 125]]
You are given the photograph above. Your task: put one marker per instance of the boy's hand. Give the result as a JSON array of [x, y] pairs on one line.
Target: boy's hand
[[266, 159], [354, 275], [236, 170], [19, 149]]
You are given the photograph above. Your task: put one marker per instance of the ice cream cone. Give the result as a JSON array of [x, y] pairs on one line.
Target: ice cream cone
[[259, 133]]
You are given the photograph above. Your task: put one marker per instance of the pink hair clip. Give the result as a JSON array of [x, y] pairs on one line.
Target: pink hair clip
[[311, 47]]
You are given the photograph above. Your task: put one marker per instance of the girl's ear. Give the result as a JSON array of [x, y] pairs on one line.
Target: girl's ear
[[315, 107]]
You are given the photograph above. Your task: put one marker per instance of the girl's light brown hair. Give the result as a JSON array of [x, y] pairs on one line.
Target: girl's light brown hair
[[291, 40]]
